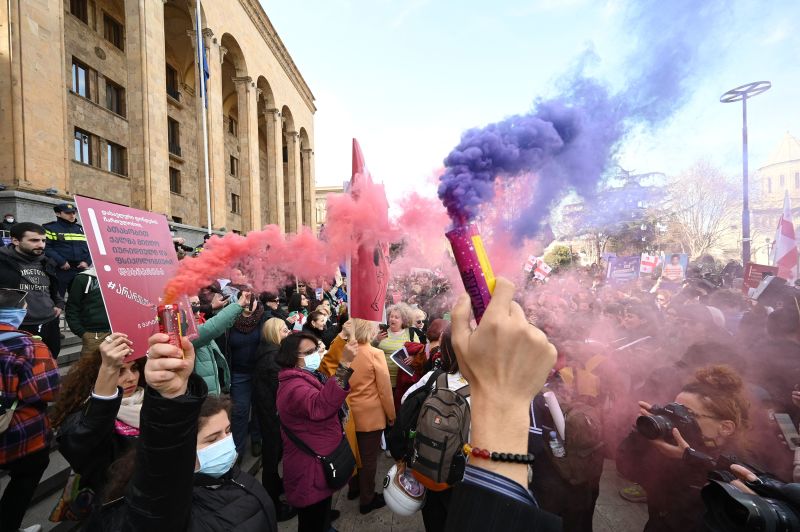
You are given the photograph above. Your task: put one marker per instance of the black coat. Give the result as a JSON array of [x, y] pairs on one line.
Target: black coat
[[473, 508], [88, 441], [166, 495], [265, 391], [672, 486]]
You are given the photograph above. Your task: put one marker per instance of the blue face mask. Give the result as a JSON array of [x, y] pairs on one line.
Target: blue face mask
[[312, 362], [218, 458], [13, 316]]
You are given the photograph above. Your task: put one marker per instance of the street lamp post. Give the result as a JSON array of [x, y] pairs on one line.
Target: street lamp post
[[742, 93]]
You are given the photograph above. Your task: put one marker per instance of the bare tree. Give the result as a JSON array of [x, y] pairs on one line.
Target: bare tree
[[702, 207]]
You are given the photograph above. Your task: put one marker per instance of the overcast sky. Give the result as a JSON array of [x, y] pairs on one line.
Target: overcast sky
[[406, 77]]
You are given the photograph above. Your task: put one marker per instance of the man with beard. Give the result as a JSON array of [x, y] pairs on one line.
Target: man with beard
[[24, 266]]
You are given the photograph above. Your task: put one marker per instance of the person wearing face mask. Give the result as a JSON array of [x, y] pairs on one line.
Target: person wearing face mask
[[182, 475], [97, 419], [8, 222], [29, 379], [311, 408], [716, 402]]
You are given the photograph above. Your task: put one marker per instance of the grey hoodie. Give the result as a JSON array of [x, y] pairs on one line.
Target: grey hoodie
[[32, 277]]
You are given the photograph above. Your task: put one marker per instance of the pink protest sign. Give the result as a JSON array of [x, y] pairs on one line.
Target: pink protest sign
[[133, 255]]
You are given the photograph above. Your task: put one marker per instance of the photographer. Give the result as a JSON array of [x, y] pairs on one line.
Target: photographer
[[713, 415]]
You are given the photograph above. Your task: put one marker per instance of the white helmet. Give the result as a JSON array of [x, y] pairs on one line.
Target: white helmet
[[403, 494]]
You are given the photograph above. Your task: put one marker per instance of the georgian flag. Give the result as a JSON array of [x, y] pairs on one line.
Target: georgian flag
[[542, 270], [530, 264], [648, 264], [784, 254]]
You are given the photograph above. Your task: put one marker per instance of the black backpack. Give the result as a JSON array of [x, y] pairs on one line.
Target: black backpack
[[399, 440]]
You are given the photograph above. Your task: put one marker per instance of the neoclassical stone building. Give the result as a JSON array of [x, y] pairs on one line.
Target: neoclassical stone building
[[777, 177], [101, 98]]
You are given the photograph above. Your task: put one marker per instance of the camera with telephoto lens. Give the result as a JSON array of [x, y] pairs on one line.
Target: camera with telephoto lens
[[775, 506], [658, 424]]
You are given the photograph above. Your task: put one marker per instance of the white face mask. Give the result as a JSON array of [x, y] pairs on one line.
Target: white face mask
[[218, 458], [10, 219]]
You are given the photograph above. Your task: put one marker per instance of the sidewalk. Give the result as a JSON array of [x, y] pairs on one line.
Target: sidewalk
[[612, 514]]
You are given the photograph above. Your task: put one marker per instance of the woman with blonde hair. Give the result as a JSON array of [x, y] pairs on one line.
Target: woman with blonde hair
[[398, 331], [265, 393], [372, 407]]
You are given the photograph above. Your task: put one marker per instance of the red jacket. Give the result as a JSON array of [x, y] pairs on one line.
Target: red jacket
[[29, 369], [310, 410]]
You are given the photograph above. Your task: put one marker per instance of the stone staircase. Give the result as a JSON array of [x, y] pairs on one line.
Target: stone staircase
[[55, 477]]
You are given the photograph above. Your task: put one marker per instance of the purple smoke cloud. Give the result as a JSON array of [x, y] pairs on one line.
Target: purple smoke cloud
[[569, 141]]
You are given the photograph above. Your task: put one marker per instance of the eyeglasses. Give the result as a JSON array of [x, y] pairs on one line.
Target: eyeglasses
[[696, 415]]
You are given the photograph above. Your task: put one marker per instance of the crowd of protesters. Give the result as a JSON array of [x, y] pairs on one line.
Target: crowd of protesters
[[156, 443]]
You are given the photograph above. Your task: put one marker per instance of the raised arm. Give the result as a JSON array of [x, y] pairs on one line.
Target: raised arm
[[160, 494]]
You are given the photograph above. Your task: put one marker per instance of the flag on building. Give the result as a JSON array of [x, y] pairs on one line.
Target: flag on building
[[784, 254], [369, 264], [202, 61], [649, 263]]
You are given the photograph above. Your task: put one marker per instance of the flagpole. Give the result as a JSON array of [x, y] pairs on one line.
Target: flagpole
[[203, 111]]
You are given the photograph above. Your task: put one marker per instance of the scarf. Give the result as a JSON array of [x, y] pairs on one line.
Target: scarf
[[130, 408], [246, 324]]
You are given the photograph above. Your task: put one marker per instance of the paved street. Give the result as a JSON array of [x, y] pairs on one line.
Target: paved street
[[613, 514]]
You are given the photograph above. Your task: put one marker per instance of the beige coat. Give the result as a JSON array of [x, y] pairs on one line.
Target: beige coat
[[370, 398]]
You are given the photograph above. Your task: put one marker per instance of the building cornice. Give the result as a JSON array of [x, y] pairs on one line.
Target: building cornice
[[270, 36]]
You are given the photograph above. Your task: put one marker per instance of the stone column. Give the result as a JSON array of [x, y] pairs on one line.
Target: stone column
[[34, 152], [309, 213], [274, 192], [148, 153], [294, 215], [216, 134], [249, 173]]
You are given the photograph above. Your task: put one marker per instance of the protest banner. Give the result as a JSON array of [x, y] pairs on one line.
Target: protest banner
[[754, 274], [623, 269], [674, 267], [134, 257], [368, 268]]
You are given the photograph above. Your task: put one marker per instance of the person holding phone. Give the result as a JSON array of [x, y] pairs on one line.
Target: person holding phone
[[240, 346], [394, 334]]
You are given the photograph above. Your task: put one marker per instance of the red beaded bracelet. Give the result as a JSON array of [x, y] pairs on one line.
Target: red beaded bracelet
[[485, 454]]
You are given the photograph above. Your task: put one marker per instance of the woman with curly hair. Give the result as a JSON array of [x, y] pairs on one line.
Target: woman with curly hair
[[97, 417], [669, 468]]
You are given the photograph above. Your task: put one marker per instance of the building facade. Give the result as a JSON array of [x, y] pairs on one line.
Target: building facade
[[779, 176], [322, 202], [101, 98]]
